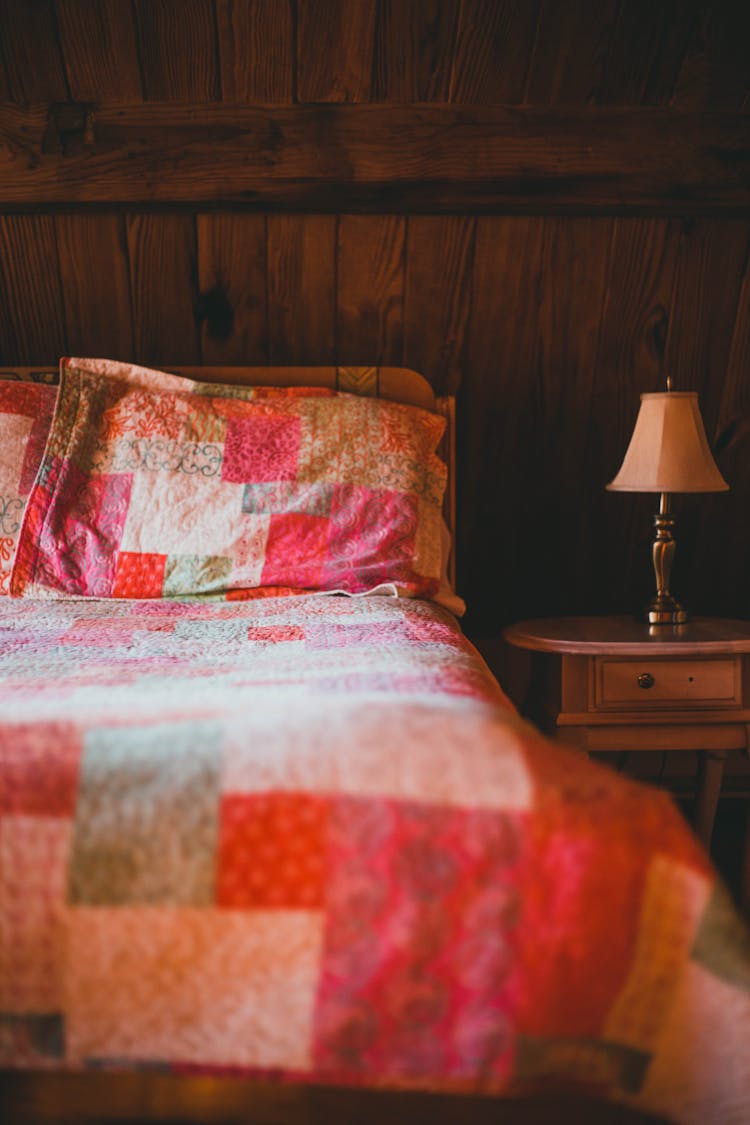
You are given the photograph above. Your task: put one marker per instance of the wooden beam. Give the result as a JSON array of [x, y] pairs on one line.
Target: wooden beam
[[422, 158]]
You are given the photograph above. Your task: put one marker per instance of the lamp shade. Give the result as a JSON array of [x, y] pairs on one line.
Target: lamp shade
[[668, 451]]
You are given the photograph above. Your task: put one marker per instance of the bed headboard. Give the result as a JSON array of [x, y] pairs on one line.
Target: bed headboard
[[400, 384]]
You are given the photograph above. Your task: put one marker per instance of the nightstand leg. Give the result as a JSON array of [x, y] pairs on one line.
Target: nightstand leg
[[710, 773]]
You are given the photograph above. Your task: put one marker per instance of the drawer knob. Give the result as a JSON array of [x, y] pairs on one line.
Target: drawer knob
[[645, 680]]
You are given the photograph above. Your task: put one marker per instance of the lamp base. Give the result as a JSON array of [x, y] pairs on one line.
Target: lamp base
[[665, 610]]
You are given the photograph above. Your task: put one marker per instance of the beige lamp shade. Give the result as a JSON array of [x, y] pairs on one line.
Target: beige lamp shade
[[668, 451]]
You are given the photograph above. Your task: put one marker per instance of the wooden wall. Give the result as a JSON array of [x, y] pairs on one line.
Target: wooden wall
[[543, 206]]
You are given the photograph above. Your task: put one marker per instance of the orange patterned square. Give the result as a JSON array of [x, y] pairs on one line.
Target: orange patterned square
[[139, 575], [272, 851]]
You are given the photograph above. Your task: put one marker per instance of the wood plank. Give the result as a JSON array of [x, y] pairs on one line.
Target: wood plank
[[177, 41], [629, 361], [715, 73], [162, 288], [647, 48], [32, 324], [99, 46], [232, 278], [438, 296], [301, 289], [334, 50], [30, 52], [256, 49], [414, 50], [567, 60], [711, 266], [94, 273], [497, 424], [384, 158], [493, 42], [370, 289]]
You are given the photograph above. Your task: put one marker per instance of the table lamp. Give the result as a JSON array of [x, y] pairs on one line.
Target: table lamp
[[668, 453]]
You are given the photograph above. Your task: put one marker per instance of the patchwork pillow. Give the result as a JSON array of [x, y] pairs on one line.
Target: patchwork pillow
[[154, 485], [25, 418]]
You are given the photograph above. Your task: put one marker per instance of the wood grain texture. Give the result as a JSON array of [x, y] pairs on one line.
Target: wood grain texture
[[490, 60], [301, 289], [232, 308], [335, 50], [32, 323], [646, 49], [386, 158], [497, 428], [99, 46], [163, 278], [30, 52], [710, 270], [94, 273], [715, 73], [438, 297], [177, 42], [256, 49], [629, 361], [566, 62], [370, 289], [414, 50]]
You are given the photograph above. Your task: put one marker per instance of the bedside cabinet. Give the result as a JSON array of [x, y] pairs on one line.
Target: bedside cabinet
[[611, 683]]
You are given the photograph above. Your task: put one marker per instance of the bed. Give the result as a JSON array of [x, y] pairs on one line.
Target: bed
[[274, 845]]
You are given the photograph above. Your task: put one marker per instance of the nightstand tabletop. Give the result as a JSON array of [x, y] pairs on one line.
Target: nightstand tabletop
[[628, 637]]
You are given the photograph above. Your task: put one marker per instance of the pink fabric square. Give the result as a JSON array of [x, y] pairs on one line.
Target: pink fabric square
[[39, 765], [264, 448], [139, 575], [295, 550]]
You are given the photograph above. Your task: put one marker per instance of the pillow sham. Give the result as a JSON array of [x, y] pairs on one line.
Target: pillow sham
[[25, 418], [154, 485]]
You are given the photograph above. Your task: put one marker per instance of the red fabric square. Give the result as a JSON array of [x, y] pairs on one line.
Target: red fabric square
[[272, 851], [295, 550], [39, 766], [262, 448], [139, 575]]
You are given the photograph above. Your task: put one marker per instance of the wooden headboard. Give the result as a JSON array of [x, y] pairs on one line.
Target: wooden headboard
[[400, 384]]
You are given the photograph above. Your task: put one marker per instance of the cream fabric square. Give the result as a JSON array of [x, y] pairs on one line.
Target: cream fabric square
[[220, 987]]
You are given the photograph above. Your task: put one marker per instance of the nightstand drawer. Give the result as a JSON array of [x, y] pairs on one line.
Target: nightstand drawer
[[679, 683]]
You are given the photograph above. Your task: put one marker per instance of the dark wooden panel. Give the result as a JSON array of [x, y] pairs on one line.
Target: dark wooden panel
[[162, 285], [32, 328], [381, 158], [301, 289], [96, 285], [646, 50], [414, 50], [370, 289], [232, 279], [101, 57], [335, 50], [567, 60], [735, 394], [438, 294], [256, 48], [496, 421], [716, 70], [491, 57], [559, 529], [30, 52], [629, 360], [178, 47], [710, 270]]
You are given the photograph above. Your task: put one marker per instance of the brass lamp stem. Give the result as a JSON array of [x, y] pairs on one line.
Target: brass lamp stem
[[663, 609]]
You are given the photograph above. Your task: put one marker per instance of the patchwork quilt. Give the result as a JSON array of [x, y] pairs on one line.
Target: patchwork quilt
[[308, 837]]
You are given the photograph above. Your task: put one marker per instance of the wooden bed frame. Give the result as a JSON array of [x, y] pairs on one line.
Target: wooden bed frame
[[96, 1098], [400, 384]]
